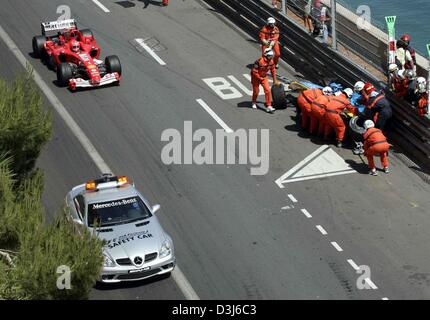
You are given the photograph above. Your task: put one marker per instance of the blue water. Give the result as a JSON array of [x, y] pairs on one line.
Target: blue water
[[412, 17]]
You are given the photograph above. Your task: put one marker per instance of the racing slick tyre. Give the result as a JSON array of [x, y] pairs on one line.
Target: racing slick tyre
[[39, 46], [64, 74], [113, 64], [87, 33], [278, 96]]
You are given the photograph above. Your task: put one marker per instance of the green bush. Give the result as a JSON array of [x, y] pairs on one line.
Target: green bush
[[25, 127]]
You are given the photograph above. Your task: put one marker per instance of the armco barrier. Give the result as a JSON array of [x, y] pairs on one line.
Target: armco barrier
[[316, 61]]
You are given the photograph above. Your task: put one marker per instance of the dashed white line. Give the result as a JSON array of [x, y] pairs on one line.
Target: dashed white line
[[321, 229], [142, 43], [215, 116], [101, 6], [336, 246], [371, 284], [353, 264], [292, 198], [385, 298], [177, 274], [306, 213]]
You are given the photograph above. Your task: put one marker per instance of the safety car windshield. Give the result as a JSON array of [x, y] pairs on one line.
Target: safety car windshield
[[117, 212]]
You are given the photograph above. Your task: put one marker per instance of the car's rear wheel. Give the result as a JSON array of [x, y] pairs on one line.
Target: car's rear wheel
[[278, 95], [64, 74], [113, 64], [39, 46], [86, 33]]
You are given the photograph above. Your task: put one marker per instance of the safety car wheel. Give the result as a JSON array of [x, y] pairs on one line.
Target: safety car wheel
[[113, 64], [278, 96], [64, 74], [38, 46]]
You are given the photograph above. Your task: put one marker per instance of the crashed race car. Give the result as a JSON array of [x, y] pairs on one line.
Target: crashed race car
[[285, 94], [74, 55], [136, 246]]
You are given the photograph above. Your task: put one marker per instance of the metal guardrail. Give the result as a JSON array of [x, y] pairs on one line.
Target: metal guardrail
[[315, 61]]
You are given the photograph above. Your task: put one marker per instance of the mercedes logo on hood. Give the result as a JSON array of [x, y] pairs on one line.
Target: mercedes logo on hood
[[138, 260]]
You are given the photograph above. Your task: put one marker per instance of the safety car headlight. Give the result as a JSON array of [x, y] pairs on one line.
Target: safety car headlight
[[108, 262], [165, 249]]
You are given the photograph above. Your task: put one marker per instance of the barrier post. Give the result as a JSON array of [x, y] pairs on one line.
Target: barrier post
[[428, 83], [333, 24]]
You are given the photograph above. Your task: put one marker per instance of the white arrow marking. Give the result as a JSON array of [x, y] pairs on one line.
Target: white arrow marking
[[321, 163]]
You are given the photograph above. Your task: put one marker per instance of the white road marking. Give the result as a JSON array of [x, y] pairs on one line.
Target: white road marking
[[306, 213], [321, 163], [292, 198], [240, 85], [385, 298], [353, 264], [321, 229], [215, 116], [142, 43], [371, 284], [336, 246], [287, 208], [177, 274], [101, 6]]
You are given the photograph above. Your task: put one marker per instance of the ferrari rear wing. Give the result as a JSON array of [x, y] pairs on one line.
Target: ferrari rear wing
[[58, 25]]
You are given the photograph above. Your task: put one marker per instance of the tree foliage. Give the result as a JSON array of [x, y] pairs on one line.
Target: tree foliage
[[31, 250]]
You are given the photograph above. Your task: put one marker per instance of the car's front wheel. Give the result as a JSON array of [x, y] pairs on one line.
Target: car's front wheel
[[64, 74], [38, 46], [113, 64]]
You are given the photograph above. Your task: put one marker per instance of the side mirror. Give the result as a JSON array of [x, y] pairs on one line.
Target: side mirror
[[155, 208], [78, 221]]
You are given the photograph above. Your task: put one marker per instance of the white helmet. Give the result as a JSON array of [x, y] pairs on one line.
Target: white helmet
[[392, 67], [358, 86], [271, 21], [421, 84], [348, 92], [268, 53], [401, 74], [409, 74], [368, 124], [328, 91]]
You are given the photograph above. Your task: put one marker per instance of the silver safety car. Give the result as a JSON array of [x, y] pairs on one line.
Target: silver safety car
[[136, 246]]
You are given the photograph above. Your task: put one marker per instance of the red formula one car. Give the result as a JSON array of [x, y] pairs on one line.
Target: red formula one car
[[74, 54]]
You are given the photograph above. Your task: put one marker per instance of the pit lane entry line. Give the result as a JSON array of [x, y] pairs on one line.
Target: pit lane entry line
[[214, 115], [177, 275], [101, 6], [142, 43]]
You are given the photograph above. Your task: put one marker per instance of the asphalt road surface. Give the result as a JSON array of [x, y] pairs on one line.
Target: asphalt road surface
[[237, 236]]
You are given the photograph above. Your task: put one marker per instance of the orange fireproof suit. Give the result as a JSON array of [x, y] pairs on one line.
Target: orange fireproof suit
[[270, 34], [318, 107], [259, 77], [422, 104], [304, 101], [376, 143], [332, 116]]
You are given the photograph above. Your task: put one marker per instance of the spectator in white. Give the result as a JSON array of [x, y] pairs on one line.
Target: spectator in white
[[403, 56], [324, 19]]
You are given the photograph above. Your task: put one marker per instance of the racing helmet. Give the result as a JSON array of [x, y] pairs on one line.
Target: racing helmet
[[271, 22], [358, 86], [406, 38], [392, 67], [348, 92], [421, 84], [368, 124], [75, 46], [327, 91], [368, 88], [268, 53]]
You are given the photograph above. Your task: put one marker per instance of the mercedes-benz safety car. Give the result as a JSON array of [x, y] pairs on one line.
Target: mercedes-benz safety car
[[74, 55], [136, 246]]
